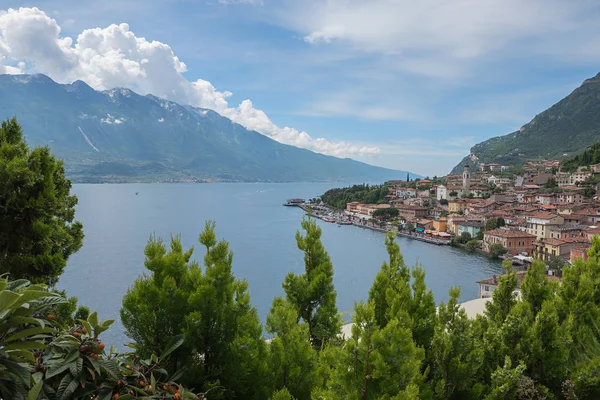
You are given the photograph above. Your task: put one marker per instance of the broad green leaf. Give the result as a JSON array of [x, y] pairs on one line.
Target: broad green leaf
[[87, 326], [34, 393], [8, 300], [93, 319], [25, 345], [173, 344], [153, 381], [69, 390], [25, 354], [29, 332]]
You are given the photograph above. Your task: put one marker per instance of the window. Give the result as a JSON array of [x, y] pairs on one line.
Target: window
[[486, 288]]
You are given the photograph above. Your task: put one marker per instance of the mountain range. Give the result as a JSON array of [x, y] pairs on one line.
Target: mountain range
[[118, 135], [564, 130]]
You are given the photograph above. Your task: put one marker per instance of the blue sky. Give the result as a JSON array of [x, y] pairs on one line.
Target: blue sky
[[401, 84]]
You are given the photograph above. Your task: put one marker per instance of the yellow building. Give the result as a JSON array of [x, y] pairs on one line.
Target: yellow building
[[440, 225], [455, 206]]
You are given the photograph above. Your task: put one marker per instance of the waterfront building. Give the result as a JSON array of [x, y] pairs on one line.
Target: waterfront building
[[487, 286], [548, 248], [515, 241], [539, 224], [471, 227]]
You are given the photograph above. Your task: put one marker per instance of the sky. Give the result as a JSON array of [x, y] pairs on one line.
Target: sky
[[401, 84]]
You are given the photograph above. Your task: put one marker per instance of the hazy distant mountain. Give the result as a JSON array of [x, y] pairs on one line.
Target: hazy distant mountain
[[565, 129], [118, 135]]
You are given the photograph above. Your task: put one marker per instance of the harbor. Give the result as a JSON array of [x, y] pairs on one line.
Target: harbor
[[340, 218]]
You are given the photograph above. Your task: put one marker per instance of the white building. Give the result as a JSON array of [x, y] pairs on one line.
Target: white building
[[405, 193]]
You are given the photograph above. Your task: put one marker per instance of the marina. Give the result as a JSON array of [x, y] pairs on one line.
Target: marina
[[328, 215]]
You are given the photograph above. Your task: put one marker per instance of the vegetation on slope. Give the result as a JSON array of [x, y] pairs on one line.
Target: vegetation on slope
[[565, 129], [590, 156], [367, 194]]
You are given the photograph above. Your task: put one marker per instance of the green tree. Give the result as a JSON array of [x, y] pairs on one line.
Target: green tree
[[550, 183], [37, 228], [312, 293], [496, 250], [457, 355], [292, 360], [506, 381], [375, 363], [223, 344], [472, 245], [465, 237]]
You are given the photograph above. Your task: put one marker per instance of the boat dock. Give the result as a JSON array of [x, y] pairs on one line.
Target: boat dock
[[330, 216]]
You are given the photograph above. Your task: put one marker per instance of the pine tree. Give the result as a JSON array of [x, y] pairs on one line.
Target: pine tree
[[457, 356], [312, 293], [37, 228], [537, 288], [374, 363], [504, 298], [223, 344], [292, 360]]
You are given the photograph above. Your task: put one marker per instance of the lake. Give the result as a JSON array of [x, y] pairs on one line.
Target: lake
[[118, 223]]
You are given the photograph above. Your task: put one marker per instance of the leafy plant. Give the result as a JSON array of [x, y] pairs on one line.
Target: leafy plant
[[26, 324]]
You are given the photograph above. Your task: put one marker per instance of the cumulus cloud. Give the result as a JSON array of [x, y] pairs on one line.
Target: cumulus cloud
[[31, 41]]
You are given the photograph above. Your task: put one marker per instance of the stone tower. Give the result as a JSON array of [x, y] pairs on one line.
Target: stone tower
[[466, 181]]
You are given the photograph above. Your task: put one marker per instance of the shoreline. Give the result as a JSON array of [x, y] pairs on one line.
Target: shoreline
[[350, 221]]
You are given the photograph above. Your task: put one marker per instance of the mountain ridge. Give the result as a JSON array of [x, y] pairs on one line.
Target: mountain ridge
[[117, 135], [563, 130]]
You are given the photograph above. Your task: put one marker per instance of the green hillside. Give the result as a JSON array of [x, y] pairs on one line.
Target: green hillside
[[565, 129]]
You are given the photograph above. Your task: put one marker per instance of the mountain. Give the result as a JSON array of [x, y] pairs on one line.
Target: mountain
[[118, 135], [565, 129]]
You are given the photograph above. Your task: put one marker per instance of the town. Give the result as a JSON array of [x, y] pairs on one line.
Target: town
[[535, 211]]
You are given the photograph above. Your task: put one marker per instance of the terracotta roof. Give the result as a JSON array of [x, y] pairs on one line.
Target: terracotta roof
[[543, 215], [508, 233]]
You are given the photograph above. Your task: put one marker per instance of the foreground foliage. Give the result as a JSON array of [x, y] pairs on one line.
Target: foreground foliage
[[38, 360]]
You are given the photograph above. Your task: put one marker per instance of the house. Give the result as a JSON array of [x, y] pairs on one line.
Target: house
[[499, 181], [595, 168], [578, 252], [440, 224], [589, 233], [548, 248], [471, 227], [457, 206], [539, 224], [487, 286], [566, 231], [405, 193], [410, 211], [569, 197], [570, 179], [545, 198], [515, 241], [441, 193]]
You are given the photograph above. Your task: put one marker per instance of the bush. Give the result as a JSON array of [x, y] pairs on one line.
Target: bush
[[472, 245], [496, 250]]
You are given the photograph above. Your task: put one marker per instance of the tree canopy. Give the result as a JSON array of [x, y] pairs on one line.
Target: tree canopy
[[38, 232]]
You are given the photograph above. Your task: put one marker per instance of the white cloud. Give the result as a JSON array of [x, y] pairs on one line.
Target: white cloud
[[116, 57], [443, 38]]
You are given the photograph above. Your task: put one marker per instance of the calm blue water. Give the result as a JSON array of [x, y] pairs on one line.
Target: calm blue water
[[260, 231]]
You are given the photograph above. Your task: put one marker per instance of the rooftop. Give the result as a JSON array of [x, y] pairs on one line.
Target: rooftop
[[508, 233]]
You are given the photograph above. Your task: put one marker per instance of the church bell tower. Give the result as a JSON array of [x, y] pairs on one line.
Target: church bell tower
[[466, 181]]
